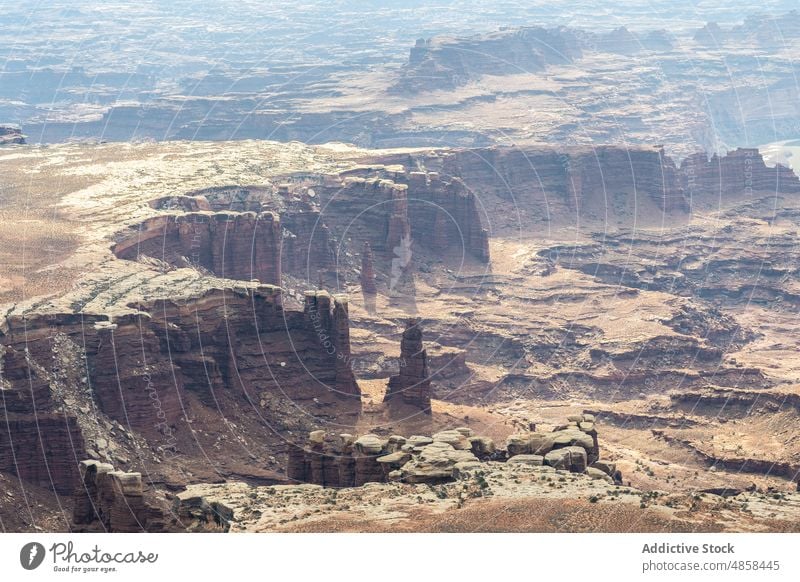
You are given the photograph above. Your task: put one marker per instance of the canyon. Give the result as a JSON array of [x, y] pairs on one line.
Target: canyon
[[211, 326]]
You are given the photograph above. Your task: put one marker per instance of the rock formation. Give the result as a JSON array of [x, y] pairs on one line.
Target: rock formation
[[11, 134], [348, 461], [579, 185], [142, 366], [412, 385], [420, 206], [368, 286], [711, 35], [620, 40], [579, 432], [31, 412], [234, 245], [111, 501], [741, 172]]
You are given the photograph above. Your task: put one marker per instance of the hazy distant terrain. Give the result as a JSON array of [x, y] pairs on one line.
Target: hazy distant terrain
[[318, 71]]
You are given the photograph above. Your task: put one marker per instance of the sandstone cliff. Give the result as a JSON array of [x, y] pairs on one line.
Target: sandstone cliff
[[739, 173], [160, 365]]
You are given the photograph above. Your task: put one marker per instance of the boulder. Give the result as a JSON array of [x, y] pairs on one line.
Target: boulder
[[606, 467], [418, 440], [598, 474], [518, 444], [436, 463], [396, 459], [316, 437], [369, 444], [196, 514], [395, 443], [571, 458], [454, 438], [482, 447]]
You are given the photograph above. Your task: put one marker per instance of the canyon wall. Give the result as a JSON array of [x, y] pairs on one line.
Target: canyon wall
[[387, 204], [234, 245], [606, 183], [139, 368], [741, 172]]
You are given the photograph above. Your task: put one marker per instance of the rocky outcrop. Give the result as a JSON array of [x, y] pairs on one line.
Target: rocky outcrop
[[308, 247], [573, 446], [444, 63], [39, 443], [11, 135], [412, 385], [183, 203], [368, 286], [111, 501], [193, 513], [620, 40], [234, 245], [711, 35], [445, 214], [739, 173], [348, 461], [389, 207]]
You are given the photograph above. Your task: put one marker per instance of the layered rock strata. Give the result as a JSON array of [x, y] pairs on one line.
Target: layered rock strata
[[225, 345], [741, 172], [572, 446], [348, 461], [389, 207], [601, 183], [368, 286], [234, 245], [113, 501]]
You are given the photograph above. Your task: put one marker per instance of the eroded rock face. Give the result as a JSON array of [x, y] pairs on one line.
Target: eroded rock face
[[40, 442], [388, 207], [225, 346], [606, 183], [741, 172], [368, 286], [234, 245], [346, 461], [112, 501], [412, 385]]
